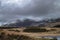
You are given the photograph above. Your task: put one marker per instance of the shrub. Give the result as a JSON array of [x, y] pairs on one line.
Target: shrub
[[53, 29], [15, 30], [35, 30]]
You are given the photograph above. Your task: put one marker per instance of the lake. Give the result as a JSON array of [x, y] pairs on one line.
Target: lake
[[50, 37]]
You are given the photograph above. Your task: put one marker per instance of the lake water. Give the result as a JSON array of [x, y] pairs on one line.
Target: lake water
[[58, 37]]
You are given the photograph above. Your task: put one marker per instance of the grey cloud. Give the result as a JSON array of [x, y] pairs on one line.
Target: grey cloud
[[35, 8]]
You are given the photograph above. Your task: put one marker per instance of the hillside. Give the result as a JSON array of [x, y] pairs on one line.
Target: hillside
[[30, 23]]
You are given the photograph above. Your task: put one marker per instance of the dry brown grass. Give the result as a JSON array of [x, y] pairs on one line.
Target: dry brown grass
[[52, 32]]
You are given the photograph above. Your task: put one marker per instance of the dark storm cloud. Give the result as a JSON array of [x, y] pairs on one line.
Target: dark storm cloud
[[39, 7], [11, 10]]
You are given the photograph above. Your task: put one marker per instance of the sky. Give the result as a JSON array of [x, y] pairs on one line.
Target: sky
[[10, 10]]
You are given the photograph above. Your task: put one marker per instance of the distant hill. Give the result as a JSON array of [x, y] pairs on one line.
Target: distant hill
[[29, 23]]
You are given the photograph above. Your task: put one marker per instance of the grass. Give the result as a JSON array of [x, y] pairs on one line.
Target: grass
[[3, 36], [26, 36]]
